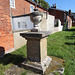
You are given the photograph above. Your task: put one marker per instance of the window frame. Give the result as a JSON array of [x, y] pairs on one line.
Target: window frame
[[12, 3], [31, 8]]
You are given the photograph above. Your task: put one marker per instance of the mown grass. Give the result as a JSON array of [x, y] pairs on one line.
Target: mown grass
[[60, 44]]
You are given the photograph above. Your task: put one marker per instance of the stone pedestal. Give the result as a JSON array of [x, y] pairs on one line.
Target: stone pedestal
[[37, 50]]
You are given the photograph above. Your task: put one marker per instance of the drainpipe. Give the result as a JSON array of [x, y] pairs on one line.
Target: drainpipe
[[10, 13], [46, 13], [12, 26]]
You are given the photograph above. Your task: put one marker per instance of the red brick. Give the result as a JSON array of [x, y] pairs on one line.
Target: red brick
[[20, 5], [1, 11], [6, 35], [59, 14], [1, 18], [6, 39], [1, 7]]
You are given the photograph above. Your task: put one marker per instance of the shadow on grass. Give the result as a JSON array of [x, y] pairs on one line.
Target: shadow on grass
[[17, 60], [12, 58], [69, 43], [70, 30], [70, 37]]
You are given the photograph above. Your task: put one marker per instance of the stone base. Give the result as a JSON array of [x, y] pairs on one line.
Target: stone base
[[38, 67]]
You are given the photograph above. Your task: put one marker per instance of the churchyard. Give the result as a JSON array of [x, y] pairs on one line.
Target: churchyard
[[60, 44]]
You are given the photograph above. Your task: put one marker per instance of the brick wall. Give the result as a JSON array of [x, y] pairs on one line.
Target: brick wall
[[6, 35], [58, 14], [41, 9], [22, 7]]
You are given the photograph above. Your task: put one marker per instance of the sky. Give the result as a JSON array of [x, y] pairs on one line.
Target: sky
[[63, 4]]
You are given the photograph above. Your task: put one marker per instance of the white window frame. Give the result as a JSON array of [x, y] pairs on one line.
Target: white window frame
[[31, 10], [12, 3]]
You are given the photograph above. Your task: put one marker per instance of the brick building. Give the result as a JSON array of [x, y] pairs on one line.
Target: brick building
[[23, 7], [9, 8], [61, 14], [6, 35]]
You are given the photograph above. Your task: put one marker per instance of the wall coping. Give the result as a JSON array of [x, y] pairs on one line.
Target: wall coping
[[21, 30], [21, 16]]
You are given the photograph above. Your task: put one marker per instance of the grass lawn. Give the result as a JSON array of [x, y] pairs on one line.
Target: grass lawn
[[60, 44]]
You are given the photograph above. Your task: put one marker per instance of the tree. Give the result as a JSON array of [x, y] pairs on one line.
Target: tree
[[44, 4]]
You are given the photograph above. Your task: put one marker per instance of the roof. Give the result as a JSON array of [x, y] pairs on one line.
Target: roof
[[58, 9], [31, 1]]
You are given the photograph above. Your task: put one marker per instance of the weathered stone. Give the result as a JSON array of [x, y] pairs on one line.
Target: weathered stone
[[37, 50], [56, 66]]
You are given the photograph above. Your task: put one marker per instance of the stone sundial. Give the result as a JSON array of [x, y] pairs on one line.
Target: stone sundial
[[37, 45]]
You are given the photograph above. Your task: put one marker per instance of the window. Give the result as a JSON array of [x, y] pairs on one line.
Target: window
[[22, 25], [56, 23], [19, 25], [31, 8], [12, 3]]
